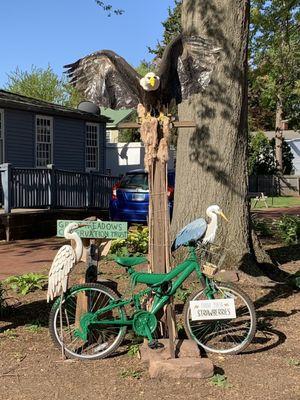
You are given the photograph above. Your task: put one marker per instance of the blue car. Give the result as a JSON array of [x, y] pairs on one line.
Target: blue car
[[130, 197]]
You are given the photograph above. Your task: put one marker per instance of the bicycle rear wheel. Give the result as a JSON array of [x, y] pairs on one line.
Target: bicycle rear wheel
[[226, 336], [102, 340]]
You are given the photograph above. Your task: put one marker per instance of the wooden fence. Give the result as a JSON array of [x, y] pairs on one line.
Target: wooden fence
[[53, 188], [273, 185]]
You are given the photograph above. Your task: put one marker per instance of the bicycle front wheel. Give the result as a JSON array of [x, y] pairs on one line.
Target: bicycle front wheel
[[226, 336], [65, 322]]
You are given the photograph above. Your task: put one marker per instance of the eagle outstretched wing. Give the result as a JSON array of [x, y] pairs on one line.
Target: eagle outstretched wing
[[62, 264], [106, 79], [186, 67]]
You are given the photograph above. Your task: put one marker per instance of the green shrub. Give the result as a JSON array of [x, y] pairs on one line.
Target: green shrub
[[288, 227], [261, 227], [3, 304], [26, 283], [136, 243]]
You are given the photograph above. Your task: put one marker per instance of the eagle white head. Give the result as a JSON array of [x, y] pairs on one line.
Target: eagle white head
[[150, 82]]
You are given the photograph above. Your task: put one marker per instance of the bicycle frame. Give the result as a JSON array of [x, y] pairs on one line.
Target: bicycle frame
[[180, 273]]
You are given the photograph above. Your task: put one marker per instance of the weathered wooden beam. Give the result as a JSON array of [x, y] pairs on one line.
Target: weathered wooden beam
[[184, 124], [176, 124]]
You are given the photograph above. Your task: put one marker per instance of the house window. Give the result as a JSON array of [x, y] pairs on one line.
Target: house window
[[92, 147], [107, 136], [1, 136], [44, 140]]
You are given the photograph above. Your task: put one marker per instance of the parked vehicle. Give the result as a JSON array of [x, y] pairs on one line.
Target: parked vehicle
[[130, 196]]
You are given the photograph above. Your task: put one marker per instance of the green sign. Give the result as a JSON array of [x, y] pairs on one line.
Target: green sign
[[96, 229]]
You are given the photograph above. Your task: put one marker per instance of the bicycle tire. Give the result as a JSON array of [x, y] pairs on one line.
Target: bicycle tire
[[100, 350], [205, 333]]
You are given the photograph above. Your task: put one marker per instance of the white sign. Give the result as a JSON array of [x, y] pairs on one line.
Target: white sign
[[212, 309]]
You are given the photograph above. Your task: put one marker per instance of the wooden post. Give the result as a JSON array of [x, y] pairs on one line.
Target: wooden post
[[52, 193], [89, 190], [5, 170]]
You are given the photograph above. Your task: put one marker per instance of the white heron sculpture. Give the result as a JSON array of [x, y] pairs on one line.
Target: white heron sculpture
[[63, 262], [200, 229]]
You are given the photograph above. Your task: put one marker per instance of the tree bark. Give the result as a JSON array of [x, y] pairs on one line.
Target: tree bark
[[211, 163]]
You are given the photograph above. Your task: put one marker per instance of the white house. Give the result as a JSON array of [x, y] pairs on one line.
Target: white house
[[293, 140]]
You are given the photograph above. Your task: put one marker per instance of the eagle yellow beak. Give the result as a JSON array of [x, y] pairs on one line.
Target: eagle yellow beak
[[152, 81], [224, 216]]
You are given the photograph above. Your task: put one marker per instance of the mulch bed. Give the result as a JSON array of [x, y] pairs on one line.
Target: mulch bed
[[31, 367]]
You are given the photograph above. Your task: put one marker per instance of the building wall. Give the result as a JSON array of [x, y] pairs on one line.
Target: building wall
[[102, 152], [19, 138], [112, 136], [69, 144], [295, 148], [68, 141], [122, 157]]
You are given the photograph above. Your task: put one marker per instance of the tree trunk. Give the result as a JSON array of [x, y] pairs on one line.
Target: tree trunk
[[211, 163], [278, 135]]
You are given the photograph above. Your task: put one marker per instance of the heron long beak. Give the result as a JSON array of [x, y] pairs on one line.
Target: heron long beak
[[152, 81], [224, 216], [81, 225]]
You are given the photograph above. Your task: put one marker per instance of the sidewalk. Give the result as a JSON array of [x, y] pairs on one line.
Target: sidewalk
[[23, 256], [36, 255]]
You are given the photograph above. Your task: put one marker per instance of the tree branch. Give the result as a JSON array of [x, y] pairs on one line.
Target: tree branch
[[109, 8]]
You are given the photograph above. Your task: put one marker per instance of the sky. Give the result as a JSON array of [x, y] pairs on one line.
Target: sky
[[58, 32]]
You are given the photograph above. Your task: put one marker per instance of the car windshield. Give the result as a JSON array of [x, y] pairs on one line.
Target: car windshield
[[134, 181]]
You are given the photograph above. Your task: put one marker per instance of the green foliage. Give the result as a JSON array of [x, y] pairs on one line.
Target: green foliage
[[3, 304], [172, 27], [26, 283], [288, 227], [34, 328], [133, 350], [130, 135], [131, 373], [43, 84], [274, 60], [10, 334], [261, 227], [145, 67], [261, 158], [294, 280], [293, 362], [136, 243], [287, 157], [183, 293], [108, 8], [220, 381]]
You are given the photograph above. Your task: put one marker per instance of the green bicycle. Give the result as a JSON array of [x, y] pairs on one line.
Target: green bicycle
[[90, 321]]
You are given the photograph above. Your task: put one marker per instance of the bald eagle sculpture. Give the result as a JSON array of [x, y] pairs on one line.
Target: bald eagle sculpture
[[108, 80]]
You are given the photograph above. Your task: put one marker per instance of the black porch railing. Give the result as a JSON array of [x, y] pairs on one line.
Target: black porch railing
[[53, 188]]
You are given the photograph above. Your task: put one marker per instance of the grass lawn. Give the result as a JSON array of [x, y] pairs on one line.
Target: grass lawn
[[277, 202]]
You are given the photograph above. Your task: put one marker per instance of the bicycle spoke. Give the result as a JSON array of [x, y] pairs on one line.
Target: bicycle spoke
[[224, 335], [73, 324]]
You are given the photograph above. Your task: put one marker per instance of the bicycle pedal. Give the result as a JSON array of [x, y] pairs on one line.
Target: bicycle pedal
[[155, 344]]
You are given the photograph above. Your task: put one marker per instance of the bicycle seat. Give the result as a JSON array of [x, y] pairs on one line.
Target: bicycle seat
[[130, 261]]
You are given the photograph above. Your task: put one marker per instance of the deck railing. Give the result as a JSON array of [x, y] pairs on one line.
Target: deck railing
[[53, 188]]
